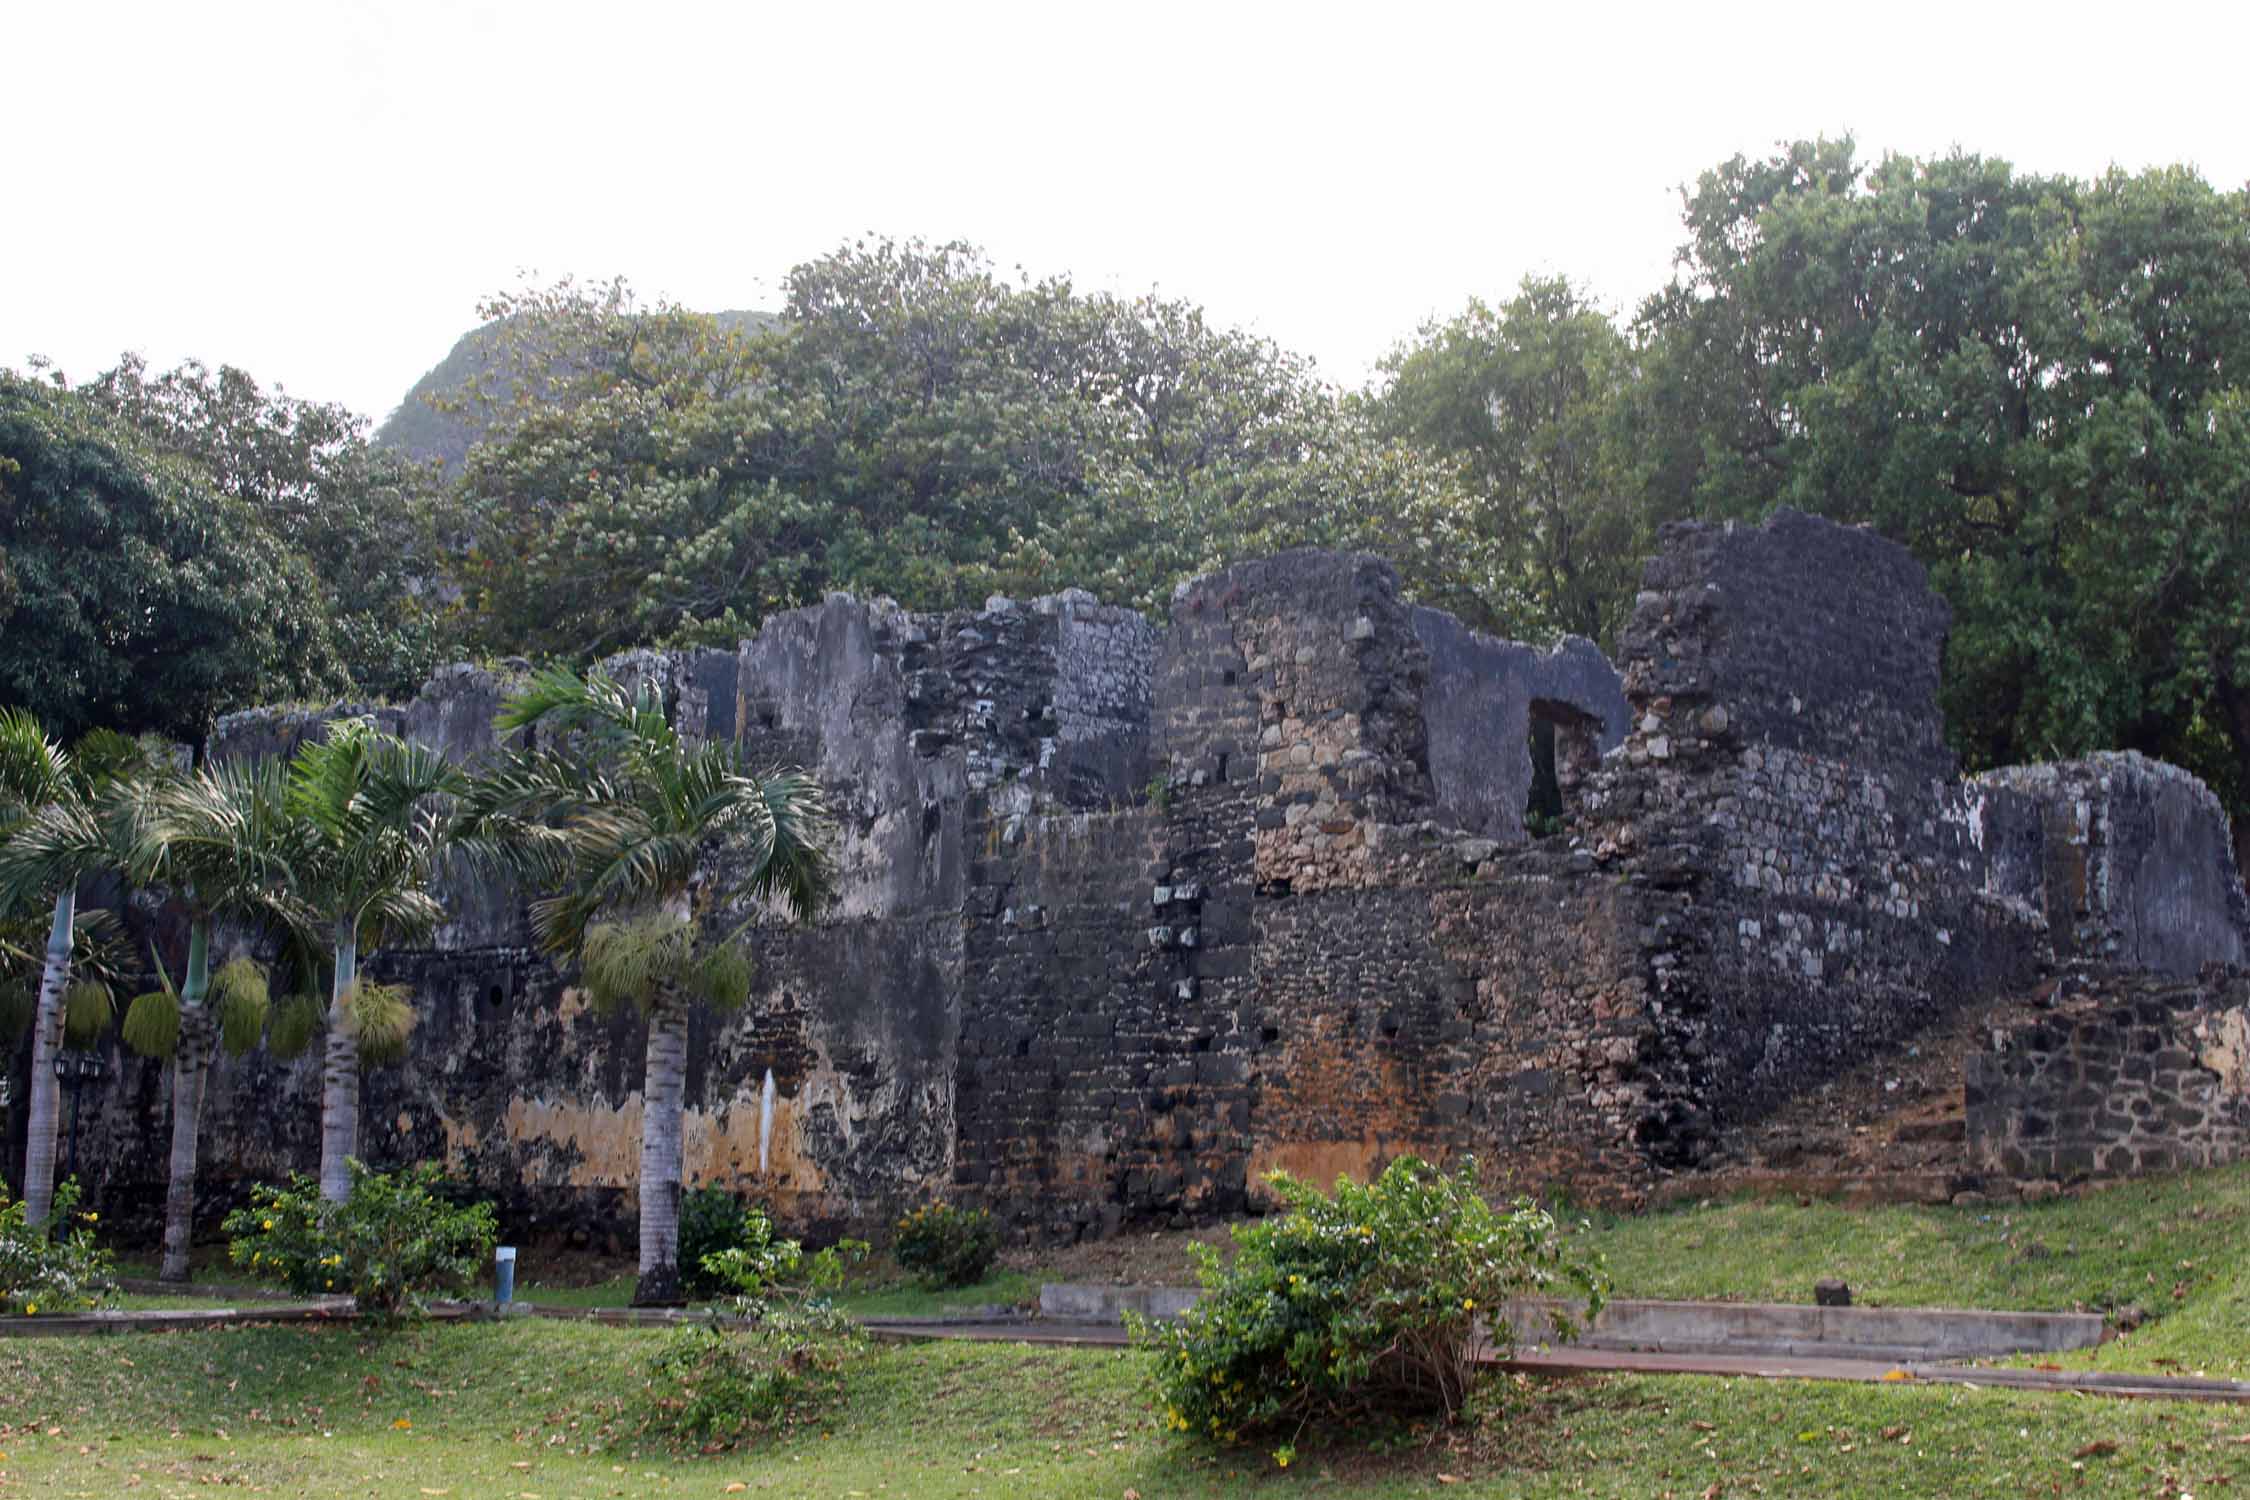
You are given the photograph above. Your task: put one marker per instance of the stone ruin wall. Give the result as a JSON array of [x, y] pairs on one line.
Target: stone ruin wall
[[2128, 1072], [1133, 915]]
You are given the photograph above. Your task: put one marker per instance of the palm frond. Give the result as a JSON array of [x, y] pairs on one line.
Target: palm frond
[[613, 816], [371, 805], [224, 838], [57, 845], [34, 770], [797, 865], [99, 950], [88, 1008], [152, 1023], [104, 757], [240, 995]]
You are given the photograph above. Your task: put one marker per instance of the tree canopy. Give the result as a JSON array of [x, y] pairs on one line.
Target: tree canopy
[[918, 425], [134, 594], [2035, 383]]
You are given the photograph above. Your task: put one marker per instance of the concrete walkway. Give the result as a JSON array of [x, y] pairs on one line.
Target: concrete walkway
[[1570, 1361]]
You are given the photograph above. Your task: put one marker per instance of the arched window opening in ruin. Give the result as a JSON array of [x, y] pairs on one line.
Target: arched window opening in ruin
[[1565, 746]]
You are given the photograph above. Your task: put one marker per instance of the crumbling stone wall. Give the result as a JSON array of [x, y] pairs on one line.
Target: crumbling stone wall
[[2131, 1072], [1131, 915], [2123, 859]]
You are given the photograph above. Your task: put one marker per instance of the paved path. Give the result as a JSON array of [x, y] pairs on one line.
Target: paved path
[[1564, 1361]]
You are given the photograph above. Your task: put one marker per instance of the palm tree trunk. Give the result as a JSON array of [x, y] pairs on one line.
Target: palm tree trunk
[[191, 1068], [339, 1084], [662, 1092], [46, 1089]]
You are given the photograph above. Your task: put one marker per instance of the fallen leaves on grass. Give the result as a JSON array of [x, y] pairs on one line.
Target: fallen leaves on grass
[[2098, 1448]]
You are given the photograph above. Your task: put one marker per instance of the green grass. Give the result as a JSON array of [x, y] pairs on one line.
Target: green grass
[[616, 1291], [2154, 1242], [170, 1302], [905, 1299], [542, 1408]]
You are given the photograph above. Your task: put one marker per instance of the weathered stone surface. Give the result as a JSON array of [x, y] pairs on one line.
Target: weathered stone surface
[[2130, 1072], [1482, 698], [2126, 859], [1132, 916]]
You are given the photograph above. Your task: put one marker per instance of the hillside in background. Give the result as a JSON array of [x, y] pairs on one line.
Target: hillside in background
[[421, 431]]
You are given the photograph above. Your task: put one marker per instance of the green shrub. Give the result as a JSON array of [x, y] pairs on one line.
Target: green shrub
[[713, 1383], [710, 1223], [1357, 1307], [764, 1270], [55, 1267], [779, 1355], [946, 1246], [395, 1239]]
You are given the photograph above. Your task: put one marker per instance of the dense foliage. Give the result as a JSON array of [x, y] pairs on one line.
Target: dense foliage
[[133, 594], [362, 517], [56, 1266], [946, 1246], [1362, 1305], [918, 426], [394, 1239], [712, 1222], [779, 1354], [2034, 382]]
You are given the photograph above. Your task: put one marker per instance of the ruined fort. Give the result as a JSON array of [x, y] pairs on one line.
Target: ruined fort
[[1135, 911]]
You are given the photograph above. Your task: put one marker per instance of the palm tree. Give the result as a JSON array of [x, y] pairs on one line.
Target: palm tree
[[58, 824], [223, 841], [615, 817], [370, 833]]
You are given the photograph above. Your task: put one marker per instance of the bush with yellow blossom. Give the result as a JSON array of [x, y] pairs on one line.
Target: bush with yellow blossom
[[393, 1240], [54, 1267]]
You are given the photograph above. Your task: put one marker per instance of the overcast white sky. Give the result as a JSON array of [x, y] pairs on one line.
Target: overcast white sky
[[320, 192]]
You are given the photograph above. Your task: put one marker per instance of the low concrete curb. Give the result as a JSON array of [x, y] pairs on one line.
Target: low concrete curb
[[1782, 1328], [169, 1320], [1084, 1302], [1898, 1333], [1575, 1361]]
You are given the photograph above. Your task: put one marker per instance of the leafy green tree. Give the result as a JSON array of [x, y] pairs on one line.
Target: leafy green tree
[[62, 819], [2034, 382], [133, 596], [638, 837], [369, 832], [223, 842], [615, 501], [365, 518], [919, 426], [1531, 399]]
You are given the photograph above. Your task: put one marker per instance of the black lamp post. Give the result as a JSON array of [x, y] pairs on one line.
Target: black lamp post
[[76, 1070]]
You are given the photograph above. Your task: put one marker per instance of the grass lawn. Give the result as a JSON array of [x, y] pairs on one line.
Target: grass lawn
[[545, 1409], [2178, 1247]]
